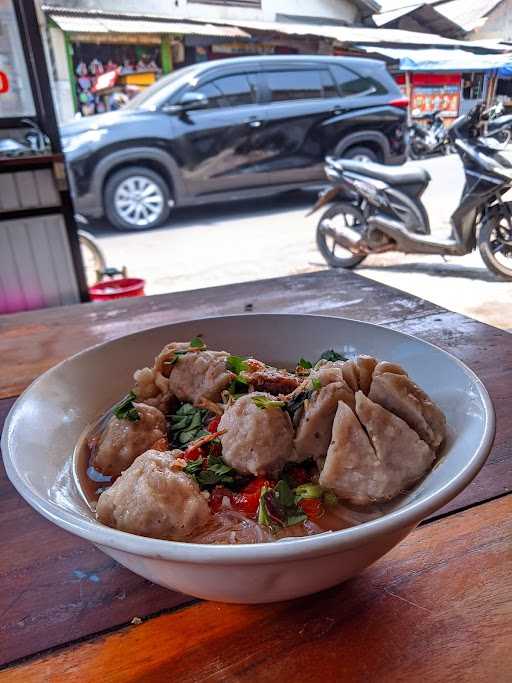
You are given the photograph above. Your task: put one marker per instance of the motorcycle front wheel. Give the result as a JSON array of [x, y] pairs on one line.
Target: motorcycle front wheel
[[342, 215], [495, 245]]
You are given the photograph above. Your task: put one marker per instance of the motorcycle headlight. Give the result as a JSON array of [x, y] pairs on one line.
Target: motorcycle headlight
[[72, 142]]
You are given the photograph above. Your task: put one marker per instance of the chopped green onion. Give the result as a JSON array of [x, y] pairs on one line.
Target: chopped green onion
[[197, 343], [316, 384], [264, 403], [307, 491], [125, 410]]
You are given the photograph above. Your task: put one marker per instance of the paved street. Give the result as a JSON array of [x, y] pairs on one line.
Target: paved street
[[235, 242]]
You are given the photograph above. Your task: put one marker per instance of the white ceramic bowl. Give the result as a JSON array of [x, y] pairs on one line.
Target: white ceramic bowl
[[46, 421]]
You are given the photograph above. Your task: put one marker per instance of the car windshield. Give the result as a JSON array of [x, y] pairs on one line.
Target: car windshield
[[152, 97]]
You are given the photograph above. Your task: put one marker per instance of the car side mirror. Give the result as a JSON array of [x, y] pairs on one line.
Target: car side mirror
[[188, 102]]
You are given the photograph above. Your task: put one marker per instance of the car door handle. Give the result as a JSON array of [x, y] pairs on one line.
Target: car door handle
[[254, 123]]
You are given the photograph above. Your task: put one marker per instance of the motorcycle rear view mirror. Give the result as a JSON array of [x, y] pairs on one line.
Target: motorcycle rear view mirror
[[189, 101]]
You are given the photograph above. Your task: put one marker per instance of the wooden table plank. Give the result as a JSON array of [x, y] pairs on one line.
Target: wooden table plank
[[438, 607], [32, 342]]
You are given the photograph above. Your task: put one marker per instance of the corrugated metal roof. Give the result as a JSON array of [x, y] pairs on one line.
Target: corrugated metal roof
[[440, 60], [424, 15], [387, 16], [469, 14], [350, 34], [87, 24]]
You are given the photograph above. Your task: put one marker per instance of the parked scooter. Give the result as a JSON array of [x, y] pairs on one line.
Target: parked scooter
[[377, 208], [428, 139]]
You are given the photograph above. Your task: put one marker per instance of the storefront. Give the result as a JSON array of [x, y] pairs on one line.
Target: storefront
[[105, 59], [451, 80], [429, 92]]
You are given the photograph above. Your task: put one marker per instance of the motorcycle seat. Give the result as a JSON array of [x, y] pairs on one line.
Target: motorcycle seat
[[392, 175]]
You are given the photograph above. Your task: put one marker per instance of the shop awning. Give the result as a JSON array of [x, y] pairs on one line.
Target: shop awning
[[86, 24], [444, 60]]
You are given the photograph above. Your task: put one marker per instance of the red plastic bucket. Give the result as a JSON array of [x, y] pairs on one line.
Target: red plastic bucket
[[117, 289]]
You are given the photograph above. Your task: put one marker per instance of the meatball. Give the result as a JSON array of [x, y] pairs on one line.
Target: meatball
[[374, 455], [152, 388], [327, 373], [200, 374], [153, 497], [357, 373], [257, 441], [315, 426], [123, 440], [164, 361], [399, 394]]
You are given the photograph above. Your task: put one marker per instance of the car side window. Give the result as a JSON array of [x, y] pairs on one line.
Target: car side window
[[236, 89], [328, 84], [294, 84], [297, 84], [351, 83], [214, 95]]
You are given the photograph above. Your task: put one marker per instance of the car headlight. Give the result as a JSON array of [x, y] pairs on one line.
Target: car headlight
[[72, 142]]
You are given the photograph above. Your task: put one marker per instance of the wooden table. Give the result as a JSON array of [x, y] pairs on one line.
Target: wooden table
[[438, 607]]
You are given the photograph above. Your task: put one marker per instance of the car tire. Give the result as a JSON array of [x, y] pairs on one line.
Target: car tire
[[359, 153], [136, 198]]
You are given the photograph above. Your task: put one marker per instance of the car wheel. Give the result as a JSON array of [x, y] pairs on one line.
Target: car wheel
[[136, 198], [360, 153]]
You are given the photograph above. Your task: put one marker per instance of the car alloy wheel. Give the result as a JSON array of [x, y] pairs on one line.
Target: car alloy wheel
[[139, 201]]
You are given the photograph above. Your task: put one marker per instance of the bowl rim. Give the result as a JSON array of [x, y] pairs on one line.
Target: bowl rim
[[327, 543]]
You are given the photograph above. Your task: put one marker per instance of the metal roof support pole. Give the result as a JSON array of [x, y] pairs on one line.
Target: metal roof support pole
[[69, 58], [166, 54], [492, 84], [408, 92]]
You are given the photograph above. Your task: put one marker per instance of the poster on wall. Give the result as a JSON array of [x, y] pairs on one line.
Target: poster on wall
[[427, 99]]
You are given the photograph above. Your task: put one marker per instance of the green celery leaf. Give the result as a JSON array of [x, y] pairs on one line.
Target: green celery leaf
[[303, 363], [236, 364], [185, 437], [284, 493], [296, 519], [332, 356], [125, 410], [193, 466]]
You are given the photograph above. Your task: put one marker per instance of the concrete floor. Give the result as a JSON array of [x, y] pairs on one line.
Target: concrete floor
[[243, 241]]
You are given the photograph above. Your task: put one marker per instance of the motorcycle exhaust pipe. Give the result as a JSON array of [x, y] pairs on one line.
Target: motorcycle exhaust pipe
[[346, 237], [413, 243]]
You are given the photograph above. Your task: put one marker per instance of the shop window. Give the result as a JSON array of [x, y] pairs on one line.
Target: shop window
[[350, 83], [294, 85], [473, 86]]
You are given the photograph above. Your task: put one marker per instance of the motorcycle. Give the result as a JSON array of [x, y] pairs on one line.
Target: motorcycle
[[376, 208], [428, 139]]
